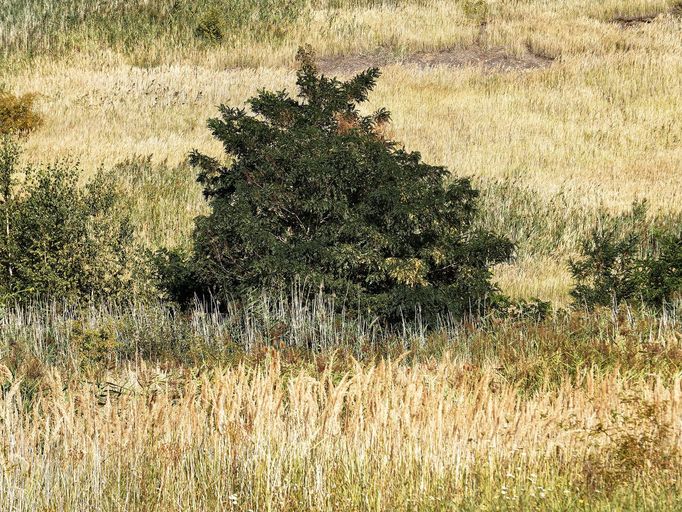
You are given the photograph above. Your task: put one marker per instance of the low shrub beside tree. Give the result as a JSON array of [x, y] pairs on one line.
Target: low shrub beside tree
[[61, 240], [629, 259]]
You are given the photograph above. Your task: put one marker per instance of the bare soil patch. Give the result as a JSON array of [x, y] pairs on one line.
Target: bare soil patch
[[492, 59], [633, 21]]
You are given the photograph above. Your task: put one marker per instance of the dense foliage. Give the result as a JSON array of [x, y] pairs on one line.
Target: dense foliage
[[59, 239], [627, 259], [17, 113], [314, 190]]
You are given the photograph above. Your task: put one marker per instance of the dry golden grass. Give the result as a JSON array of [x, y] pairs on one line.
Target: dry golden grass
[[577, 412], [538, 276], [601, 123], [429, 436], [601, 129]]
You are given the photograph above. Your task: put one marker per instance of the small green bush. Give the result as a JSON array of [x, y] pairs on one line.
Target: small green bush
[[629, 260], [212, 25], [520, 309], [260, 19], [95, 345], [314, 191], [17, 114], [61, 240], [478, 10]]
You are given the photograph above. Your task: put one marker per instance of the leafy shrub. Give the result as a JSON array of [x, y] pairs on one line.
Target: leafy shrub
[[314, 190], [17, 114], [95, 345], [664, 270], [521, 309], [178, 276], [211, 25], [59, 239], [629, 259], [640, 444], [478, 10], [220, 19]]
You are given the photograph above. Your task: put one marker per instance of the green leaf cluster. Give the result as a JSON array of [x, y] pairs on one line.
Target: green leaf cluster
[[312, 189], [17, 114], [59, 239], [627, 259]]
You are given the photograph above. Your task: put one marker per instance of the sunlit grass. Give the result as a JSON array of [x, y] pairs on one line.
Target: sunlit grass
[[140, 407], [122, 407]]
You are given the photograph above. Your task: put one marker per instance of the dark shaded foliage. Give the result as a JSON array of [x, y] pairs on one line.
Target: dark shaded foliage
[[315, 191], [628, 259]]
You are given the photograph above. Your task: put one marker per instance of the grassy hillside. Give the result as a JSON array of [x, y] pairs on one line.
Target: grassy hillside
[[577, 103], [563, 112]]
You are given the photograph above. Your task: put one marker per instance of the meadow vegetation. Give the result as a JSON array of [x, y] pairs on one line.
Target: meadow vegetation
[[136, 407], [566, 116]]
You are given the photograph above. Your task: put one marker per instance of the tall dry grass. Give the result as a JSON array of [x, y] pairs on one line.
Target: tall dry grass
[[437, 435], [282, 405]]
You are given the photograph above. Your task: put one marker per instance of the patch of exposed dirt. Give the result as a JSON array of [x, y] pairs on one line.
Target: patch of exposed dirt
[[633, 21], [494, 60]]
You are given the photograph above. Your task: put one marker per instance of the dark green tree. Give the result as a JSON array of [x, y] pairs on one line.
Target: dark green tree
[[664, 270], [314, 190]]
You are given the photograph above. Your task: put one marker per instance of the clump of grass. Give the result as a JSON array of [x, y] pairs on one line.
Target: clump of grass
[[162, 200], [676, 9]]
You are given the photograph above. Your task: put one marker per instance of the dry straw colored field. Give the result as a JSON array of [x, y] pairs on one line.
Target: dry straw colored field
[[578, 109], [559, 110], [569, 414], [430, 436]]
